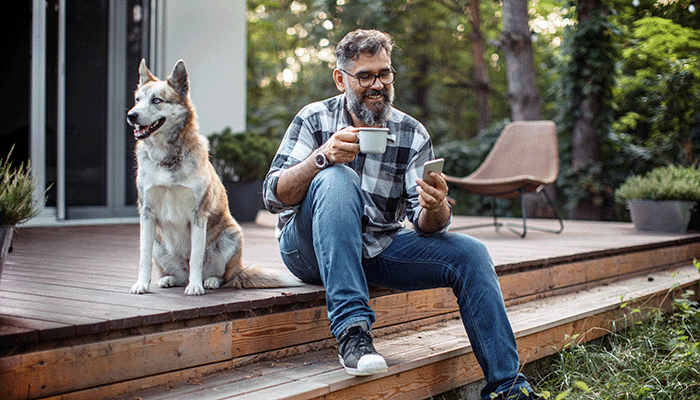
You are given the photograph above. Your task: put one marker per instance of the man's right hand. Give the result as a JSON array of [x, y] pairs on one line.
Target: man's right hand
[[342, 146], [293, 182]]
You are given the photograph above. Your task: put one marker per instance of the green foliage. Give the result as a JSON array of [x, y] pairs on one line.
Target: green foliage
[[663, 183], [289, 44], [659, 94], [433, 59], [242, 156], [16, 189], [660, 40], [654, 359], [587, 66]]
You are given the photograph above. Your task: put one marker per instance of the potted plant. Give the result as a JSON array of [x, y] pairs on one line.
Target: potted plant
[[662, 199], [242, 160], [16, 202]]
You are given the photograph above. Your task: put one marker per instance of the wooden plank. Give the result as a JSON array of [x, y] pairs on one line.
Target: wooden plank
[[128, 317], [269, 332], [13, 335], [47, 330], [60, 370], [557, 276], [85, 324]]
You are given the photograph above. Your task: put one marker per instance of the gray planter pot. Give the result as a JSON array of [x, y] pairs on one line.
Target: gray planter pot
[[5, 240], [660, 216], [244, 199]]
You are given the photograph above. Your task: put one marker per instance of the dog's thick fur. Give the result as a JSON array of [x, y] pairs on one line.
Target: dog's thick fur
[[186, 230]]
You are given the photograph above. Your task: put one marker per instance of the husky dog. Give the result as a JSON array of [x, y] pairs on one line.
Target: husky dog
[[187, 231]]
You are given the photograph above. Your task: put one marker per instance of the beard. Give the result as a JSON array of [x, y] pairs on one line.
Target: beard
[[378, 114]]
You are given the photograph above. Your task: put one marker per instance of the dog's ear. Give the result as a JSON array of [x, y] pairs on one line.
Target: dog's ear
[[144, 74], [178, 79]]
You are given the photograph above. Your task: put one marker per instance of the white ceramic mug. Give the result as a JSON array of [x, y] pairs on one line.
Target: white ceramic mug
[[373, 140]]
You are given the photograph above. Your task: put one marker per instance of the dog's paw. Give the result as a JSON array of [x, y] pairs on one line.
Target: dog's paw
[[194, 289], [139, 288], [213, 283], [167, 281]]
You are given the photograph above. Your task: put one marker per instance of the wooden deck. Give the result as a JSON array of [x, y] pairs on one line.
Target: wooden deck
[[70, 328]]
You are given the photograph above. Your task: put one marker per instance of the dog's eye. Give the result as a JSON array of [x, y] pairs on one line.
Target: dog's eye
[[157, 100]]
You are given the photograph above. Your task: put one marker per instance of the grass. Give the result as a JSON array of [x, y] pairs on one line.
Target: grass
[[655, 358]]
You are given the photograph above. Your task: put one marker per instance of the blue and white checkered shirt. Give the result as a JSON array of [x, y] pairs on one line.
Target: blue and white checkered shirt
[[387, 180]]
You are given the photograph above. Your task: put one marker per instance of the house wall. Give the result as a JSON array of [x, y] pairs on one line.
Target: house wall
[[210, 36]]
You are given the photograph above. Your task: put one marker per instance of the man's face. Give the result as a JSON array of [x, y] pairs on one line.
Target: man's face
[[370, 105]]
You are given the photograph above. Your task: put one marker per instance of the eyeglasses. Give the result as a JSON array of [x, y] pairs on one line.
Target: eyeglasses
[[367, 80]]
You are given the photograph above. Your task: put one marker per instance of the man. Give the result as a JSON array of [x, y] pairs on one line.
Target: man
[[341, 212]]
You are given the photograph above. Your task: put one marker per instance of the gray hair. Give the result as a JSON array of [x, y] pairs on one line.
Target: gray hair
[[360, 41]]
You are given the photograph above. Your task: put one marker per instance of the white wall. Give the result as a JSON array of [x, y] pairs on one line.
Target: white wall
[[210, 36]]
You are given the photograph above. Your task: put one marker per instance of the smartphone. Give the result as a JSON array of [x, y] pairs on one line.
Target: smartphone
[[432, 166]]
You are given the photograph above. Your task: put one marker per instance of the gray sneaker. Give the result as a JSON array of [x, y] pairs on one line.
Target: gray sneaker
[[356, 353]]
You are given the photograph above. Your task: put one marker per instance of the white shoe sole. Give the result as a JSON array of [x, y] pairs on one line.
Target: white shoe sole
[[369, 364]]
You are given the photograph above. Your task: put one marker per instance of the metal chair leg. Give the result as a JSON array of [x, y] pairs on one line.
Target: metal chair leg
[[524, 227]]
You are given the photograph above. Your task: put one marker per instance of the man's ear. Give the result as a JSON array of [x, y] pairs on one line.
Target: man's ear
[[339, 79]]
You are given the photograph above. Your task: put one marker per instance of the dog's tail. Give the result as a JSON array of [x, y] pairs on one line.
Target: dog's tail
[[256, 276]]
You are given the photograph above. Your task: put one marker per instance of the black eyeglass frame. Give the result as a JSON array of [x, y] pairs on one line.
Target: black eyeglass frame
[[376, 76]]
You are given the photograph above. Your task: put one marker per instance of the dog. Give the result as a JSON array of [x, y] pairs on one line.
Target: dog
[[186, 229]]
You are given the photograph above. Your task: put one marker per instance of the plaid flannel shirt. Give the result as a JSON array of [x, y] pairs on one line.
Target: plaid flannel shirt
[[387, 180]]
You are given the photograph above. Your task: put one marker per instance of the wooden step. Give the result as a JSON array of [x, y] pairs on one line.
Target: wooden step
[[430, 360], [424, 361]]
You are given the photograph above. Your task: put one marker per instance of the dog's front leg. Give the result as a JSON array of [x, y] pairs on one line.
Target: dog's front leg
[[199, 239], [147, 235]]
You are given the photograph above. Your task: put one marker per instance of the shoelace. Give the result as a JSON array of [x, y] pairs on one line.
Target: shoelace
[[362, 340]]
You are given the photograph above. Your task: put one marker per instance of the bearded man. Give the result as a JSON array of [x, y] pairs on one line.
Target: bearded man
[[341, 216]]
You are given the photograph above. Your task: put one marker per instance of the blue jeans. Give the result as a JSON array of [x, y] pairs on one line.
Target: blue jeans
[[322, 243]]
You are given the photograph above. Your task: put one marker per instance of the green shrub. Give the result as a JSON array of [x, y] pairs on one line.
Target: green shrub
[[663, 183], [244, 156], [16, 189]]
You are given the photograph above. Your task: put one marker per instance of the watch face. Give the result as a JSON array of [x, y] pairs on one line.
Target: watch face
[[320, 159]]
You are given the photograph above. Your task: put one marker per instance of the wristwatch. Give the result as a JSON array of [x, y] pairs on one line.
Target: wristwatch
[[321, 160]]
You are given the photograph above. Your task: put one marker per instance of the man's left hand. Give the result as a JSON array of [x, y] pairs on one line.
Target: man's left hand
[[432, 197]]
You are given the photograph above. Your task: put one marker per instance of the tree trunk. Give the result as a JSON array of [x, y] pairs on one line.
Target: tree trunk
[[520, 66], [523, 95]]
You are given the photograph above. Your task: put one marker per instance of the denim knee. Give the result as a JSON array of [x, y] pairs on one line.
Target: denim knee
[[472, 260], [336, 177], [337, 184]]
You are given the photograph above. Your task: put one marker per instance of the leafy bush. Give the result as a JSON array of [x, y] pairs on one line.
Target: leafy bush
[[16, 189], [243, 157], [658, 96], [663, 183]]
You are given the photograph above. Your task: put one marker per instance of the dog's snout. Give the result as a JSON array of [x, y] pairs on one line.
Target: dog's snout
[[132, 117]]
